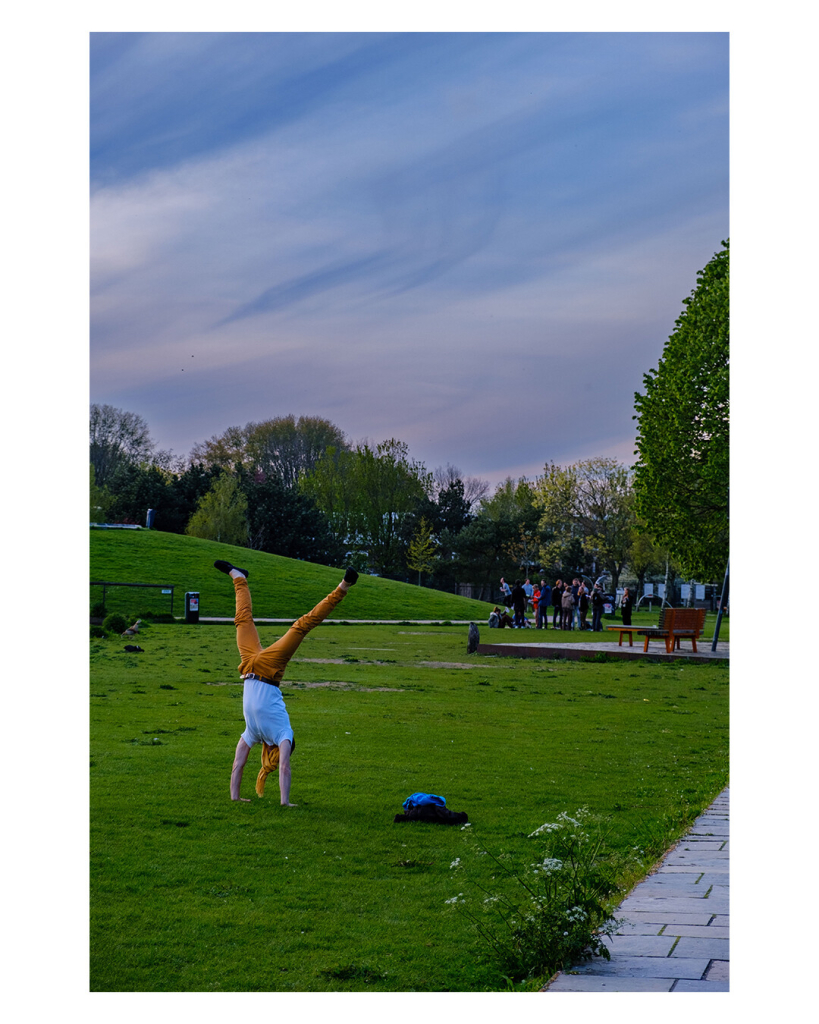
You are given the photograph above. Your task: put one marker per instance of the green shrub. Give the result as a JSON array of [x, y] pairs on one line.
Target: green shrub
[[97, 610], [97, 633], [115, 623]]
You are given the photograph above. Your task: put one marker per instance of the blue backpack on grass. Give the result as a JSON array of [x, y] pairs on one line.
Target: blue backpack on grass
[[423, 800]]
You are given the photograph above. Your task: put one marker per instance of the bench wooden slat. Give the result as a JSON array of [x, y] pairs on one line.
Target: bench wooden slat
[[676, 624]]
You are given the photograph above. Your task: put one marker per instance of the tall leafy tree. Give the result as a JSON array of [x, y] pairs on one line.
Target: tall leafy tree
[[100, 500], [284, 521], [367, 494], [185, 489], [117, 438], [287, 447], [474, 489], [221, 514], [648, 558], [590, 502], [135, 489], [283, 447], [421, 550], [502, 539], [681, 476], [222, 451]]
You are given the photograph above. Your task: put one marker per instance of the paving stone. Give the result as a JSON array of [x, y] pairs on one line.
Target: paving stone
[[636, 928], [718, 971], [588, 983], [705, 861], [689, 856], [684, 985], [690, 883], [713, 948], [711, 829], [721, 920], [655, 915], [643, 945], [702, 846], [646, 967], [673, 904], [714, 868], [716, 881], [696, 931]]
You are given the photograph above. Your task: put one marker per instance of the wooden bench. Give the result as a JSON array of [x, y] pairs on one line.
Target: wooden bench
[[624, 631], [676, 624]]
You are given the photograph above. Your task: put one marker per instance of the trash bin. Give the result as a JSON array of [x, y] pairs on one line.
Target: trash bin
[[191, 607], [149, 518]]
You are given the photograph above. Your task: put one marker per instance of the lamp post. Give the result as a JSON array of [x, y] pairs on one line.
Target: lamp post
[[723, 598]]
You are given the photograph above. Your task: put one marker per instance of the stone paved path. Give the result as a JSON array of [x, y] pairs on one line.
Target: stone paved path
[[675, 936]]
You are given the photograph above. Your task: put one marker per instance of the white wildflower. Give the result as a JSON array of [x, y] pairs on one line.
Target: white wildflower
[[551, 864], [549, 826], [456, 863]]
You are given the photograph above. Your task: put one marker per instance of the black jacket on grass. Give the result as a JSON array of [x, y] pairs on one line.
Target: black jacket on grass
[[434, 814]]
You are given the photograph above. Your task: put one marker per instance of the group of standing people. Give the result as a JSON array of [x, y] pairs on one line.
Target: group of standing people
[[569, 603]]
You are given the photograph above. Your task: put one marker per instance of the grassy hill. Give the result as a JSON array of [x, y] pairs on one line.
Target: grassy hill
[[281, 587]]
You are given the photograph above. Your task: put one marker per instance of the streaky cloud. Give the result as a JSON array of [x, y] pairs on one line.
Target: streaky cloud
[[289, 292]]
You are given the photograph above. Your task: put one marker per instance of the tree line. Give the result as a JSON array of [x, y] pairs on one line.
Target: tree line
[[299, 487], [372, 505]]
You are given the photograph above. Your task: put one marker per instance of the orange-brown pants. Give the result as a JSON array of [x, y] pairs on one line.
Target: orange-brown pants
[[270, 662]]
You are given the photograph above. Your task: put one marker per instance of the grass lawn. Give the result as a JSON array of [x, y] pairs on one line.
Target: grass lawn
[[192, 892], [280, 586]]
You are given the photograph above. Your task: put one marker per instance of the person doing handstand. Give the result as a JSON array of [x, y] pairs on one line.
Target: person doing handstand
[[262, 668]]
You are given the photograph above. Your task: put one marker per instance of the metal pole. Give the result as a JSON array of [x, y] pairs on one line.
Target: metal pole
[[722, 600]]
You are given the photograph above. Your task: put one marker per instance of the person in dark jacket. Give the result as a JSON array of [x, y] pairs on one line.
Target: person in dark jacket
[[543, 605], [583, 601], [626, 604], [576, 606], [519, 599], [597, 608], [557, 595]]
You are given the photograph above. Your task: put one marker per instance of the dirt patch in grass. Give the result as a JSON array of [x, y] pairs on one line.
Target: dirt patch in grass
[[337, 683], [322, 661], [446, 664], [341, 685]]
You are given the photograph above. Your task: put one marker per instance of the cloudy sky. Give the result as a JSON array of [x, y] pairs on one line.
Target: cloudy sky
[[475, 242]]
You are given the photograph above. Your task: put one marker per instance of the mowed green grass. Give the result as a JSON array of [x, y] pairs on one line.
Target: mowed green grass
[[280, 586], [192, 892]]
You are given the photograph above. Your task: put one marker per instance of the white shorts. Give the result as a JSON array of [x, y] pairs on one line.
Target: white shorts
[[266, 718]]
